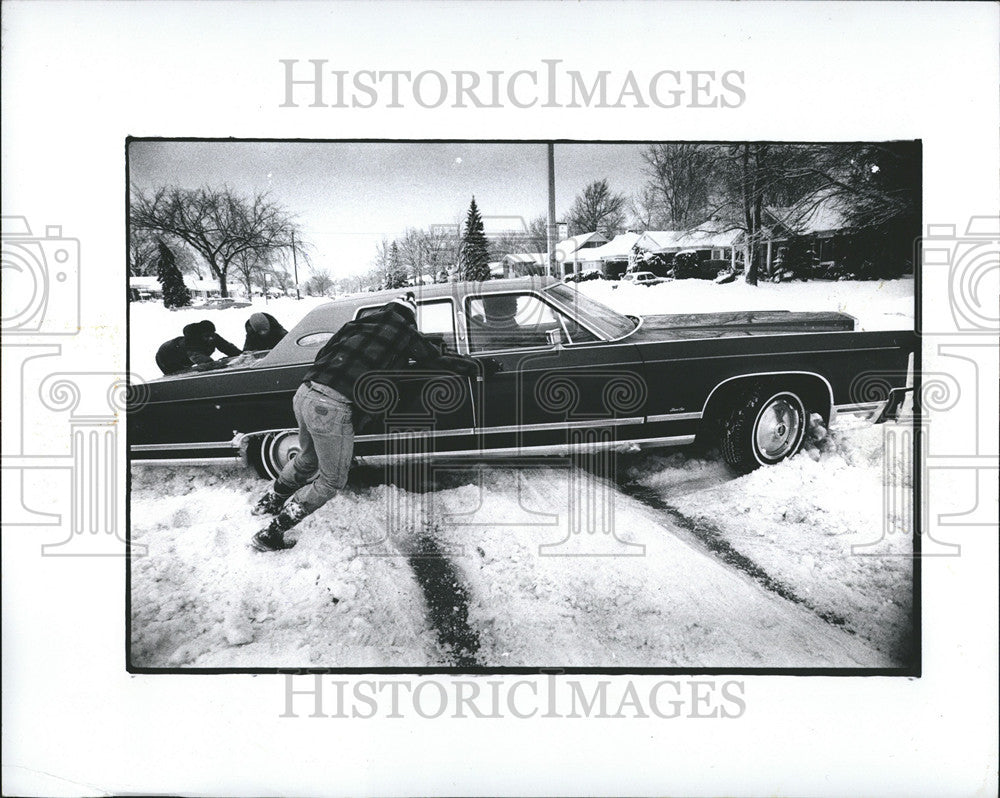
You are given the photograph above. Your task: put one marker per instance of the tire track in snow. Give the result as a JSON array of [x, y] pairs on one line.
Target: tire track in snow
[[447, 601], [713, 540]]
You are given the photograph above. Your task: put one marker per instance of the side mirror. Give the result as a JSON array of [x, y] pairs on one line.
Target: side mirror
[[554, 337]]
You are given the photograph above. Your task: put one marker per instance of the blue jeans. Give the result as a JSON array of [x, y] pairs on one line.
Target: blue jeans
[[326, 435]]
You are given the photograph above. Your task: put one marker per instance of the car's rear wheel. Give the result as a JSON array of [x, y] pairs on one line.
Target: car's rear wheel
[[273, 451], [765, 427]]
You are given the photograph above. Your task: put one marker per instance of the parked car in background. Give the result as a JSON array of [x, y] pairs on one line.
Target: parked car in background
[[574, 374], [642, 278], [222, 303], [585, 276]]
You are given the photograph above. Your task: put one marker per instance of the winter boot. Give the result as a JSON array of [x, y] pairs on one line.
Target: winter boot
[[272, 501], [272, 537]]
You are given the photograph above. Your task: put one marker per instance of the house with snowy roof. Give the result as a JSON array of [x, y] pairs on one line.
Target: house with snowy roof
[[570, 254], [575, 251], [143, 288], [708, 243], [522, 264], [823, 222], [611, 258]]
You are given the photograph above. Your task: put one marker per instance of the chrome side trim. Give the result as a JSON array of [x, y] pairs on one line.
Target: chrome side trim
[[189, 461], [484, 454], [861, 407], [608, 422], [674, 417], [556, 449], [448, 433], [171, 447]]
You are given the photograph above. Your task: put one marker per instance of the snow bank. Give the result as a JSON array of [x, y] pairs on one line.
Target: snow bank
[[817, 523], [201, 597]]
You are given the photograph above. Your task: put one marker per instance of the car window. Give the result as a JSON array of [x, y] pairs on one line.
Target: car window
[[516, 321], [434, 319], [437, 320]]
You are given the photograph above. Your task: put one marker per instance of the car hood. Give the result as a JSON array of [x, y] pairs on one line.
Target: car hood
[[683, 326]]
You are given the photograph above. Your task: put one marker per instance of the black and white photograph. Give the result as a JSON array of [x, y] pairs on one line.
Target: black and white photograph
[[500, 399], [656, 429]]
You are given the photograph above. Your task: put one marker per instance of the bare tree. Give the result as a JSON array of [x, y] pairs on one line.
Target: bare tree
[[597, 208], [143, 254], [508, 242], [217, 224], [537, 239], [320, 283], [647, 210], [249, 266], [877, 189], [681, 180], [396, 277], [444, 246], [746, 171], [414, 251], [754, 176], [379, 274], [280, 277], [875, 186]]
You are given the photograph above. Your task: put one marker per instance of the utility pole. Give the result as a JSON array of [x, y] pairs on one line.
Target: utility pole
[[551, 227], [295, 266]]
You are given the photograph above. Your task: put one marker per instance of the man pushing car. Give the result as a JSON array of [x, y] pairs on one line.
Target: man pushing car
[[382, 341]]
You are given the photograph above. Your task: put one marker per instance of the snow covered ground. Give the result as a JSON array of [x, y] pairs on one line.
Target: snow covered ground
[[736, 571], [877, 305]]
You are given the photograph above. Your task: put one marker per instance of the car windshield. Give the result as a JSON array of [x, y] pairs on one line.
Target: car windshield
[[599, 317]]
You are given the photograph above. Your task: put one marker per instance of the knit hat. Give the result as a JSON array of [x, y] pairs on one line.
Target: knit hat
[[408, 301], [259, 324]]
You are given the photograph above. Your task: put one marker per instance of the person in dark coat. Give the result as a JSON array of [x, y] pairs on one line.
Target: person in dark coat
[[195, 346], [263, 333]]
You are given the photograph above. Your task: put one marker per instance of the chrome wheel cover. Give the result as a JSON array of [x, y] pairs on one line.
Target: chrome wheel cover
[[778, 429], [279, 450]]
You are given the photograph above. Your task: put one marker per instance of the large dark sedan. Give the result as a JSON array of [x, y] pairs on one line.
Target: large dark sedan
[[574, 374]]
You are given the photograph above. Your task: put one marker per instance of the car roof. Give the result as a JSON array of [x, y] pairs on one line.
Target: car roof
[[331, 316]]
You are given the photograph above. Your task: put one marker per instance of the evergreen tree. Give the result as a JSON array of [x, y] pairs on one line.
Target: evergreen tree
[[474, 256], [175, 293], [396, 275]]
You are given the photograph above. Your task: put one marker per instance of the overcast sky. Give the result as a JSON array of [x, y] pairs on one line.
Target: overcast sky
[[348, 196]]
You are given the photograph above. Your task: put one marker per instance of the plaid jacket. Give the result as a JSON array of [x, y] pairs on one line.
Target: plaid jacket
[[382, 341]]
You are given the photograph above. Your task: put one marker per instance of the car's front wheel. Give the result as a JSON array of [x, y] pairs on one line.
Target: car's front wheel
[[765, 427], [273, 451]]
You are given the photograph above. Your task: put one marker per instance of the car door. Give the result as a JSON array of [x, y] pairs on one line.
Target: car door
[[560, 382], [417, 409]]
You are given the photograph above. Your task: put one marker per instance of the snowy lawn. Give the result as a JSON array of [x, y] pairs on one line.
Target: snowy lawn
[[877, 304], [750, 571]]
